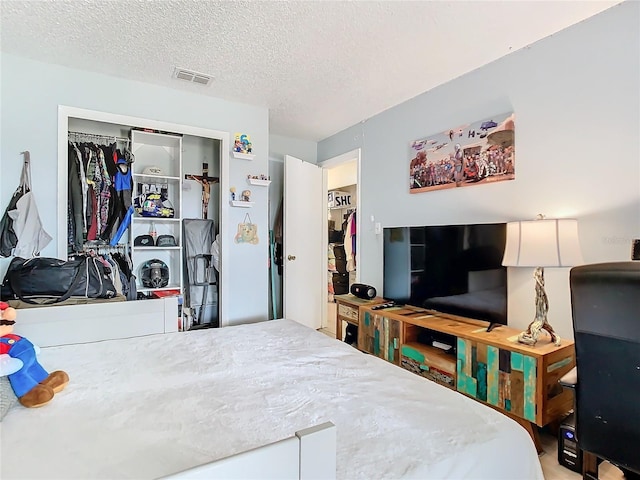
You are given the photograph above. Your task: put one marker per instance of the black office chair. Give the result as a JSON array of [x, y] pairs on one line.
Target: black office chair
[[605, 301]]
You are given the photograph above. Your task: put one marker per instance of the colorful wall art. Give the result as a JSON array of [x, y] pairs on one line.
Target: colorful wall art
[[477, 153]]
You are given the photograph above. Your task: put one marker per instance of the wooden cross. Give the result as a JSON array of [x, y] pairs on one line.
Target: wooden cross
[[205, 180]]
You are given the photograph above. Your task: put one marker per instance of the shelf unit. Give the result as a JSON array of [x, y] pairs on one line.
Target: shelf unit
[[164, 151], [417, 246], [243, 156], [240, 203], [257, 181]]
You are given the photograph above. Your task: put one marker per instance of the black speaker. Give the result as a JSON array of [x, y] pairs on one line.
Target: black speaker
[[361, 290]]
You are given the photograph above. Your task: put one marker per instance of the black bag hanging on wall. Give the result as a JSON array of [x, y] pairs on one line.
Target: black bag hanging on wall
[[54, 280], [8, 237]]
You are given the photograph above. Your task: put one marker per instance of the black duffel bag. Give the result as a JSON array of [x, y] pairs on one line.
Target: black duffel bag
[[51, 280]]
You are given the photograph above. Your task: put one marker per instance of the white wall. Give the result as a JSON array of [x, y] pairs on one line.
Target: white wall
[[577, 104], [279, 146], [30, 94], [341, 175]]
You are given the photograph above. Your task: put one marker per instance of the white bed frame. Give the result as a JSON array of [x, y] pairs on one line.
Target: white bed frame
[[66, 324], [308, 455]]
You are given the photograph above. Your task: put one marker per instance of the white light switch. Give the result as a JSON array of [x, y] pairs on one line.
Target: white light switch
[[378, 228]]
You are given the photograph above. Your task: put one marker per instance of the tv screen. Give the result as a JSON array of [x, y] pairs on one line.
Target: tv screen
[[454, 269]]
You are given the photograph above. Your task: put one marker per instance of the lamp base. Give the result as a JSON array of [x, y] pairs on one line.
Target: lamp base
[[531, 334]]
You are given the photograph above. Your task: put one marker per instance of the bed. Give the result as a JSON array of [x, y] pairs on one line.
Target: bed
[[153, 406]]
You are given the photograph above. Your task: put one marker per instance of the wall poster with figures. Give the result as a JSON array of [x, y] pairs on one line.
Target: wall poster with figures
[[471, 154]]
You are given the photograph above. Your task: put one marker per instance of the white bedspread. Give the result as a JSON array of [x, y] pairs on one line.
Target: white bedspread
[[150, 406]]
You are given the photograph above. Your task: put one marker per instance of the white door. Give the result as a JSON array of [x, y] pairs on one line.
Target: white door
[[304, 264]]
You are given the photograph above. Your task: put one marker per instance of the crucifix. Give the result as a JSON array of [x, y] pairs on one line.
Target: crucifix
[[205, 180]]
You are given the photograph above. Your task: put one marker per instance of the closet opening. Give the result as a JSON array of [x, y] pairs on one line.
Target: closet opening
[[144, 197]]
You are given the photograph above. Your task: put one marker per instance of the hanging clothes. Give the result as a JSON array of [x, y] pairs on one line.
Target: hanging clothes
[[123, 186], [100, 185], [278, 234], [84, 186], [103, 180], [350, 242], [76, 200]]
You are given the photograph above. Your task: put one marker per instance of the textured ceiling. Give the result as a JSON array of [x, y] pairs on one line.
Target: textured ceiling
[[319, 66]]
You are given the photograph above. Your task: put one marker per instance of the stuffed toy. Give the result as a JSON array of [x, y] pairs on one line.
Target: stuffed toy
[[30, 382]]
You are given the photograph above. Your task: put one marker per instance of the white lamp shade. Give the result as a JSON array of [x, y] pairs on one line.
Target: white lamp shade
[[542, 243]]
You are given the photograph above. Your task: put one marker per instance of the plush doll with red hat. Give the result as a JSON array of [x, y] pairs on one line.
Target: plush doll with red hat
[[31, 383]]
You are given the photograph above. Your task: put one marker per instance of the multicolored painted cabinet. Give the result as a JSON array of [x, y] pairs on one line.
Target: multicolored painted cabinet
[[524, 385], [429, 362], [500, 377], [380, 336], [348, 310]]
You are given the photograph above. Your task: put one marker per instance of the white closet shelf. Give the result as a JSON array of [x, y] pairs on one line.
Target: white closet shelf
[[168, 287], [166, 140], [146, 178], [156, 219], [156, 248], [239, 203], [256, 181], [243, 156]]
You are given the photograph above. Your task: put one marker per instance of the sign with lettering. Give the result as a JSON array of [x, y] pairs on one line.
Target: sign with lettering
[[339, 199]]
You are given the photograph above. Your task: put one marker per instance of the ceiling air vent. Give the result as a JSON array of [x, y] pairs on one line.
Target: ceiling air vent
[[191, 76]]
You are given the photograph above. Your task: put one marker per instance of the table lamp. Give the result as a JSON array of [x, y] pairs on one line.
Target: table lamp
[[541, 243]]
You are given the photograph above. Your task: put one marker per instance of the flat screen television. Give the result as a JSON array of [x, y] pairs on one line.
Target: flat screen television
[[455, 269]]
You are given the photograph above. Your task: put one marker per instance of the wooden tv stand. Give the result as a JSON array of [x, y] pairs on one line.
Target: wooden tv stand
[[491, 367], [347, 309]]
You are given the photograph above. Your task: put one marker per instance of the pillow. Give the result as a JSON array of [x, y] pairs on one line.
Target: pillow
[[7, 397]]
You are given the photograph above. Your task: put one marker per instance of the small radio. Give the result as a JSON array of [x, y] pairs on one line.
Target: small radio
[[361, 290]]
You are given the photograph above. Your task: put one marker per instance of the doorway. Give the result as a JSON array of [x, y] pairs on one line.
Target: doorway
[[341, 187]]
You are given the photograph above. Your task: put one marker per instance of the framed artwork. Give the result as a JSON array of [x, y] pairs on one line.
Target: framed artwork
[[473, 154]]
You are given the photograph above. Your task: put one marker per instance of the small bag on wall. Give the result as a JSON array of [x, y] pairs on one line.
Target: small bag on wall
[[247, 232], [54, 280]]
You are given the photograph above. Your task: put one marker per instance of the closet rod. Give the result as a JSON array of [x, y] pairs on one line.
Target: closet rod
[[95, 135], [104, 247]]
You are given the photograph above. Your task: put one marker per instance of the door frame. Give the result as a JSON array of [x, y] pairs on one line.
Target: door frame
[[66, 112], [326, 165]]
